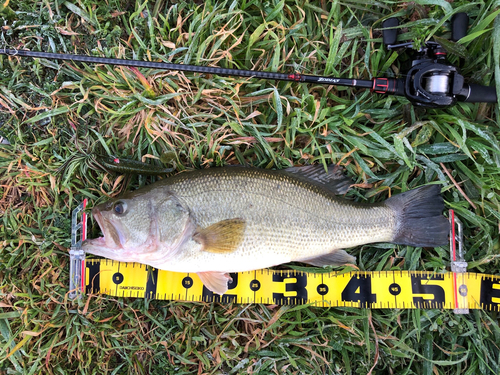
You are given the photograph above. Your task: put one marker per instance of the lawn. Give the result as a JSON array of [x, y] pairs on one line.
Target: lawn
[[61, 117]]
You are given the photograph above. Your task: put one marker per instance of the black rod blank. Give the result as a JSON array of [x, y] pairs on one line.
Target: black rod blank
[[191, 68]]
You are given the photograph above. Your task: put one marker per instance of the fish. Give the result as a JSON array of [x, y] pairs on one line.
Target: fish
[[216, 221]]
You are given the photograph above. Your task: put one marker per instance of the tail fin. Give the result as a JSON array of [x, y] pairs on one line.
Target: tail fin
[[419, 214]]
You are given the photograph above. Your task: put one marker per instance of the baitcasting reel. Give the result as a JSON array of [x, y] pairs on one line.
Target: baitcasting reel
[[431, 81]]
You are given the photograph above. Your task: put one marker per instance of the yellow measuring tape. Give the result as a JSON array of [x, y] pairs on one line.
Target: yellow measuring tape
[[382, 289]]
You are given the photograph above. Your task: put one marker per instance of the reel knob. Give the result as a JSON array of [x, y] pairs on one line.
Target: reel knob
[[459, 24], [391, 35]]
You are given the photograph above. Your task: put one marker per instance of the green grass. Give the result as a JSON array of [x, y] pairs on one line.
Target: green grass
[[56, 114]]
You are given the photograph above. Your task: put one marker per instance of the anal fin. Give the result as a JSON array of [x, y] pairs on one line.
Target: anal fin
[[215, 281], [335, 258]]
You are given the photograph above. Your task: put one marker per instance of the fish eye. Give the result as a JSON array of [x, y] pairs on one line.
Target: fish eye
[[119, 207]]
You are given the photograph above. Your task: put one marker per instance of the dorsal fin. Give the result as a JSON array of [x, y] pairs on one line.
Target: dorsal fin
[[335, 180]]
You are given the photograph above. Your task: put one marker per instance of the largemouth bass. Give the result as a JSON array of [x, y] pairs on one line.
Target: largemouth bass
[[233, 219]]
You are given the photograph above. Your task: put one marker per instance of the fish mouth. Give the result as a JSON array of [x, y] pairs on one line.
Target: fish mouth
[[109, 242]]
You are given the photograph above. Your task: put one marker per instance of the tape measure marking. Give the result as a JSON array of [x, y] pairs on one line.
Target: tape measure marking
[[381, 289]]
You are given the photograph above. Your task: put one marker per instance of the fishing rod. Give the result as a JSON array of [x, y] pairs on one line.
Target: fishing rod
[[431, 82]]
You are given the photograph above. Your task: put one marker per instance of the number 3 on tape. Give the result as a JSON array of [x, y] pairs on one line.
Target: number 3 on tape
[[295, 288]]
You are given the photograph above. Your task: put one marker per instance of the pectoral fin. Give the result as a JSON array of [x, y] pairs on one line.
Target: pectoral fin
[[215, 281], [335, 258], [222, 237]]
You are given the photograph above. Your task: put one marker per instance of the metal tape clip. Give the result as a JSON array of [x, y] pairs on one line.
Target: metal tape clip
[[458, 265], [76, 254]]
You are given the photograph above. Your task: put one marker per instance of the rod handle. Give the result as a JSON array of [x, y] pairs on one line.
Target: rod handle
[[473, 93]]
